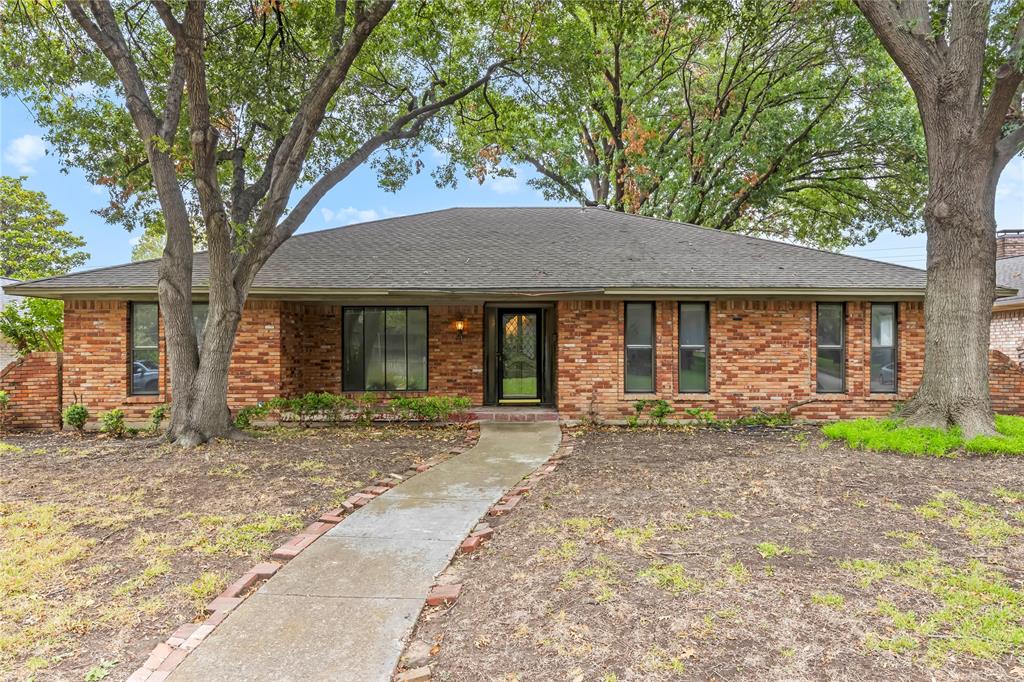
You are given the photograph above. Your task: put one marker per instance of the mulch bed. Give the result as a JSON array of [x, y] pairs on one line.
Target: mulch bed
[[643, 558], [138, 503]]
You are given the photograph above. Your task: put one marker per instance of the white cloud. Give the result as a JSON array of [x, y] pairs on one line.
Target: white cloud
[[503, 185], [22, 151], [350, 215]]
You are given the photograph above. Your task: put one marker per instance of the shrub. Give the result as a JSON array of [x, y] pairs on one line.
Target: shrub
[[429, 408], [112, 423], [660, 409], [314, 406], [368, 406], [245, 416], [5, 406], [76, 415], [156, 417]]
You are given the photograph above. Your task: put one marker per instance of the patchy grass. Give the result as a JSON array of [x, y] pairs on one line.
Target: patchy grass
[[889, 435], [106, 546], [875, 567]]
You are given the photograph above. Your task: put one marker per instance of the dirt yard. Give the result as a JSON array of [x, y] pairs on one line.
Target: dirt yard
[[746, 555], [107, 546]]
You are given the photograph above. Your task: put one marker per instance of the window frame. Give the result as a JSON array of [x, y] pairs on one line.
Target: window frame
[[132, 348], [626, 346], [895, 346], [426, 357], [841, 347], [706, 347]]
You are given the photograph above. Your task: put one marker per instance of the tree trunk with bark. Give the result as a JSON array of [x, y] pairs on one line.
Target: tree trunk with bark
[[971, 135]]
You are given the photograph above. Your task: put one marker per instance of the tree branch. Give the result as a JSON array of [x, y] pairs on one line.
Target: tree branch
[[911, 48]]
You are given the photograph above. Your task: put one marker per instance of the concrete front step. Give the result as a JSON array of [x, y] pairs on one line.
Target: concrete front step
[[515, 414]]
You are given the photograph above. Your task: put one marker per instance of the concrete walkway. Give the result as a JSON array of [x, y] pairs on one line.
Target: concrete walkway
[[343, 608]]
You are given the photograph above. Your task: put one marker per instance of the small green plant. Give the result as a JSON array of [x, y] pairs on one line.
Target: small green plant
[[770, 550], [829, 599], [700, 415], [245, 416], [671, 577], [100, 672], [156, 418], [76, 414], [203, 588], [632, 421], [660, 410], [890, 435], [429, 408], [368, 408], [5, 407], [112, 423]]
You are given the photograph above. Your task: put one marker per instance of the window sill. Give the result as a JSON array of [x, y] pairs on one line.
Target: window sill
[[143, 399]]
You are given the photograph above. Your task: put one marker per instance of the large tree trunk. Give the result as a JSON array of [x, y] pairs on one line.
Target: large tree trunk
[[200, 410], [960, 221]]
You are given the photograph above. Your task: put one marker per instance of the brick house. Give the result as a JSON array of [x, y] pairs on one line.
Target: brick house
[[579, 311], [1008, 312]]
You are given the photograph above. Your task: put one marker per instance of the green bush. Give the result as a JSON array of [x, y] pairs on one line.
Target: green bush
[[76, 415], [660, 410], [5, 406], [112, 423], [156, 417], [314, 406], [428, 408], [890, 435], [245, 416]]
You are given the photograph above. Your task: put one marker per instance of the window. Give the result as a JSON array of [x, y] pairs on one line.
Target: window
[[831, 350], [144, 365], [199, 313], [384, 349], [639, 348], [693, 348], [883, 347]]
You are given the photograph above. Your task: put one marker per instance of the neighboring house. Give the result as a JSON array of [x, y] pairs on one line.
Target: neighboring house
[[581, 310], [1008, 312], [8, 353]]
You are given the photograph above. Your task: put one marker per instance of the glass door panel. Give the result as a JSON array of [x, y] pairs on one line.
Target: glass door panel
[[519, 359]]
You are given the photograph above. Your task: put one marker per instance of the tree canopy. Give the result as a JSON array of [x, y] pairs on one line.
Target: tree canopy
[[778, 117], [33, 242]]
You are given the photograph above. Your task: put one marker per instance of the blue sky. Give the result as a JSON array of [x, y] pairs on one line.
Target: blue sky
[[358, 198]]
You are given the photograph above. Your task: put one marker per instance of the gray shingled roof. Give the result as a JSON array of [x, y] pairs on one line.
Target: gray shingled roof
[[528, 249], [1010, 274]]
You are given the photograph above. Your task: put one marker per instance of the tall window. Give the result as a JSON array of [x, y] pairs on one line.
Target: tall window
[[639, 348], [693, 347], [883, 347], [831, 348], [384, 349], [144, 365]]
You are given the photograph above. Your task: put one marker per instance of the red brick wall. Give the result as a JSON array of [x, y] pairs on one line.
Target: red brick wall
[[96, 358], [762, 356], [310, 348], [1008, 333], [1006, 384], [33, 386], [455, 366]]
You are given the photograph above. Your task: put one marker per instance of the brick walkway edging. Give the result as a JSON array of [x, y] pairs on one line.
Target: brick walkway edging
[[446, 594], [169, 654]]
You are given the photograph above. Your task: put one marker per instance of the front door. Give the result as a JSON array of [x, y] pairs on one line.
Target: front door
[[519, 356]]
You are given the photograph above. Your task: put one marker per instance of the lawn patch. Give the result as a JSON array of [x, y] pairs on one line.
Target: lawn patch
[[890, 435]]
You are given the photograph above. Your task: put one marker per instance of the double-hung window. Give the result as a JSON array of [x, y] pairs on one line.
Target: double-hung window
[[639, 347], [883, 347], [384, 349], [831, 348], [144, 355], [693, 348]]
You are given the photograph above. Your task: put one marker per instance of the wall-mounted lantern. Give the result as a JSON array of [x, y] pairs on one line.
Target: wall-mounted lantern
[[460, 327]]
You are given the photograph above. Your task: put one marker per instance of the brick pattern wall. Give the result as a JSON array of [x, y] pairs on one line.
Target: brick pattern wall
[[762, 356], [1008, 333], [455, 366], [33, 386], [96, 358], [1008, 246], [310, 348], [1006, 384]]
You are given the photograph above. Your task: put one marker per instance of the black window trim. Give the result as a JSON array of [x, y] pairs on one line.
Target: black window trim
[[706, 347], [132, 347], [895, 346], [425, 309], [626, 346], [841, 346]]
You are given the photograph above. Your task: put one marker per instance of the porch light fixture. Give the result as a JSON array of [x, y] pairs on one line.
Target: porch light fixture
[[460, 327]]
